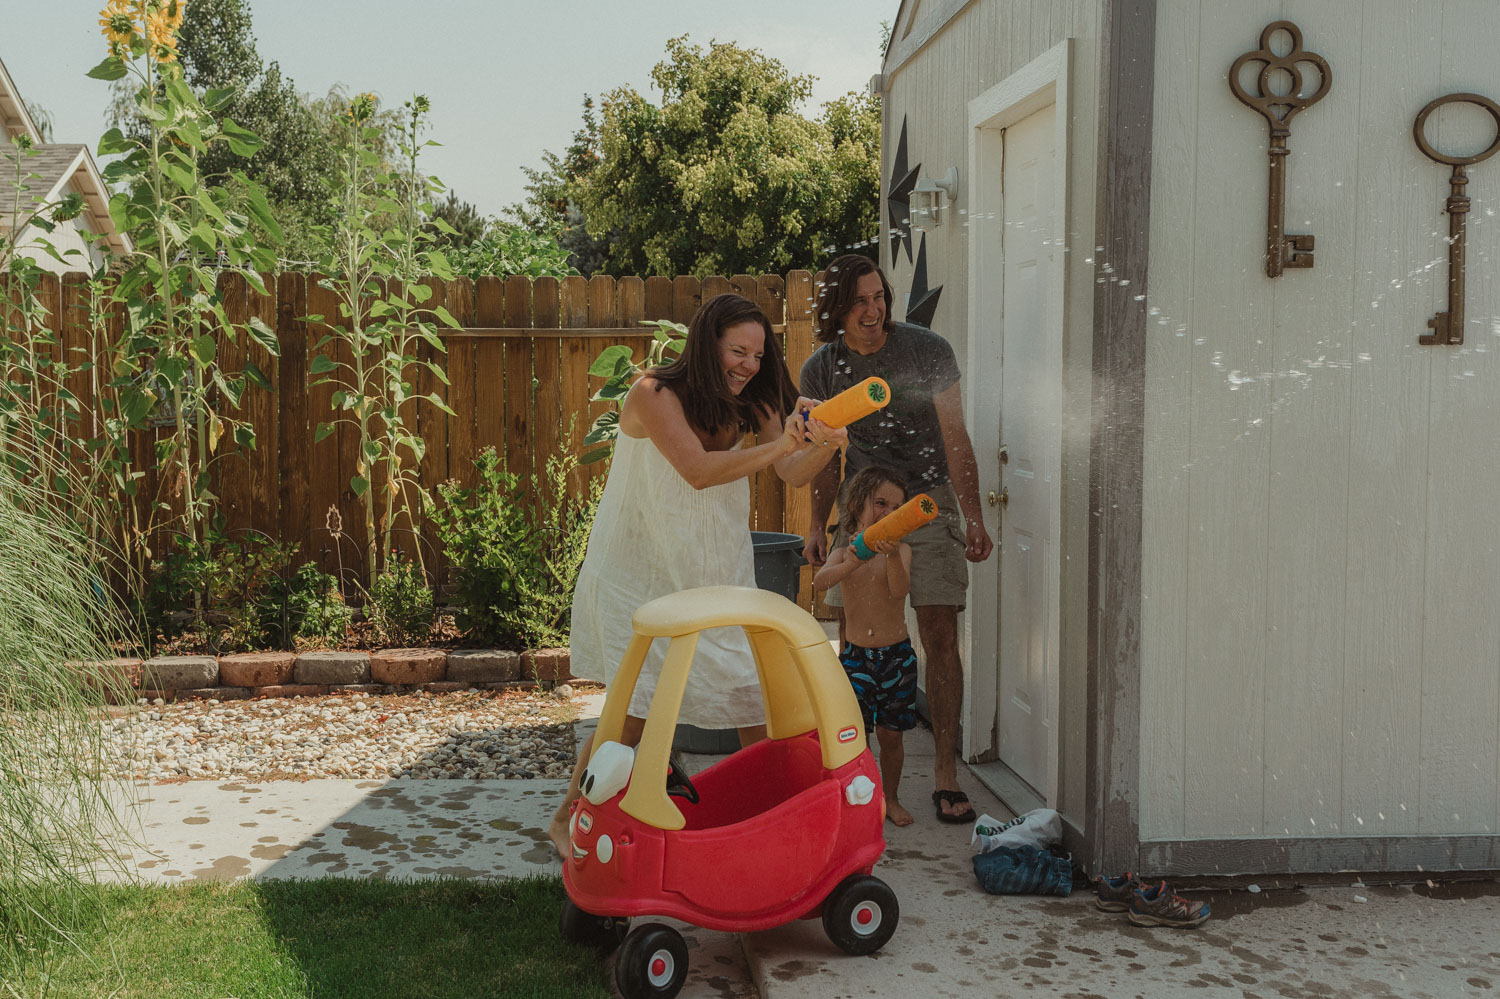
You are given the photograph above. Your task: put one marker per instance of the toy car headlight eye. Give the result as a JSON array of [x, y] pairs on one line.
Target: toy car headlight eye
[[608, 772]]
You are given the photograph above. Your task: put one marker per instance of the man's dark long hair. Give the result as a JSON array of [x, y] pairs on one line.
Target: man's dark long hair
[[840, 287], [697, 376]]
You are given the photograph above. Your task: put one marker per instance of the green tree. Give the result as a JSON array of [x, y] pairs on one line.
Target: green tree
[[463, 218], [551, 208], [726, 175], [295, 166]]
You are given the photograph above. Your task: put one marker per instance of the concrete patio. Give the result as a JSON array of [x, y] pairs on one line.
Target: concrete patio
[[1340, 939]]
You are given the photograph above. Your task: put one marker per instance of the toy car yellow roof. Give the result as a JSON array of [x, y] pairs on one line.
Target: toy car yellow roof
[[803, 686]]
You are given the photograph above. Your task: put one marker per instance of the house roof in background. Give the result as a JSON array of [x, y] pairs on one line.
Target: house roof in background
[[56, 163], [14, 118]]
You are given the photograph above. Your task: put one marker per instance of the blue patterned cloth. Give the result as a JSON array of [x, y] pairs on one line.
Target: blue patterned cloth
[[1023, 870], [885, 682]]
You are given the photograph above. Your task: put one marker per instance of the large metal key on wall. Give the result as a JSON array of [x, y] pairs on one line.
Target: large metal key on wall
[[1448, 327], [1282, 251]]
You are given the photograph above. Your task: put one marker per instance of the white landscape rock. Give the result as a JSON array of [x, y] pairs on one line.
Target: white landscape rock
[[439, 736]]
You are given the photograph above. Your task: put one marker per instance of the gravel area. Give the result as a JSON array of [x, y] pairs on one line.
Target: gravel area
[[464, 735]]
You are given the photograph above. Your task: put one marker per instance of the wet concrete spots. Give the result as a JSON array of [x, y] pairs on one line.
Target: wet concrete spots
[[793, 970], [267, 839], [1085, 951], [173, 873], [1357, 951], [336, 861], [542, 853], [195, 820], [1204, 980], [365, 837], [277, 852], [947, 894], [966, 951], [455, 806], [1480, 983], [249, 825], [925, 968], [224, 869], [504, 825], [1125, 952], [1460, 890], [1036, 962]]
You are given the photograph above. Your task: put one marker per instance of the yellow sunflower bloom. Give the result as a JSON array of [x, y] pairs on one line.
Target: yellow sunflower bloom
[[116, 22]]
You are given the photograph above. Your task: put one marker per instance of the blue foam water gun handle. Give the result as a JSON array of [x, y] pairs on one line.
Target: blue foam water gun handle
[[862, 551]]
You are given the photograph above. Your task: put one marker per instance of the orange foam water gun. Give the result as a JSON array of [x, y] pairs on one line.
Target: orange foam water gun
[[854, 403], [895, 525]]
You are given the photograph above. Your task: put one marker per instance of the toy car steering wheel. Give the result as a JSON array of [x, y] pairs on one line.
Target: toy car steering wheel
[[678, 784]]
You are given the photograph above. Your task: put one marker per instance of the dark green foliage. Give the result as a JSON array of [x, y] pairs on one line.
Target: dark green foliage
[[463, 218], [506, 248], [307, 606], [765, 188], [487, 540], [516, 546], [400, 602], [551, 205], [220, 595]]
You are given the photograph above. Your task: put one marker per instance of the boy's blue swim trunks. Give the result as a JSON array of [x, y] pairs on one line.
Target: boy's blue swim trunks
[[885, 682]]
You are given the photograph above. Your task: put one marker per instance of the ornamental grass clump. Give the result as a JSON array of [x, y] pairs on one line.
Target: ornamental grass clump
[[58, 622]]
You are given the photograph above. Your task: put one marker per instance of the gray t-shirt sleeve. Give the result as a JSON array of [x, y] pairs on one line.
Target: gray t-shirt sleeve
[[813, 382], [938, 364]]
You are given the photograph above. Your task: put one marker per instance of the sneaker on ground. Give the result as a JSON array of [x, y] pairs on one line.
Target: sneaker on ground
[[1157, 906], [1113, 894]]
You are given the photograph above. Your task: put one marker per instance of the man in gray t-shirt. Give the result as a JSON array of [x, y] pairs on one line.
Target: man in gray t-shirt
[[921, 436]]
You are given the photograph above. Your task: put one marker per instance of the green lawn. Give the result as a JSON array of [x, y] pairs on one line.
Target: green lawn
[[328, 938]]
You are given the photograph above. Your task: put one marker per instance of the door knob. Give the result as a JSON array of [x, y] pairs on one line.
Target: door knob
[[1004, 454], [1002, 498]]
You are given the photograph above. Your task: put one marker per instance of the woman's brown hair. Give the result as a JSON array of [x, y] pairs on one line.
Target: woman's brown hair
[[697, 376], [861, 487], [840, 286]]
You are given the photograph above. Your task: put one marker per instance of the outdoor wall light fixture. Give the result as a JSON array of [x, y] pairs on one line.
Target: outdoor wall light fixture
[[930, 196]]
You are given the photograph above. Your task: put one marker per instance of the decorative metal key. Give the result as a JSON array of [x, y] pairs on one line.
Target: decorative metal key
[[1448, 327], [1282, 251]]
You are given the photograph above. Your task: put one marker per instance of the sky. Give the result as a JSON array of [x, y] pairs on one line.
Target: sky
[[506, 78]]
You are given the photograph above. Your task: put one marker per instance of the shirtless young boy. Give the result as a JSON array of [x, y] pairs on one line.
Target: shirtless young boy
[[878, 656]]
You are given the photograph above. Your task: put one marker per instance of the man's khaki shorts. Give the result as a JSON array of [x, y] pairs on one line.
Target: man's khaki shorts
[[939, 571]]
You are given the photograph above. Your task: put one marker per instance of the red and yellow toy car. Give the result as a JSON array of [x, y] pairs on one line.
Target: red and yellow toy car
[[788, 828]]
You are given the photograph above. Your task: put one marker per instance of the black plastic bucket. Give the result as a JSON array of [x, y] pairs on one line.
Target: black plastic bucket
[[778, 564]]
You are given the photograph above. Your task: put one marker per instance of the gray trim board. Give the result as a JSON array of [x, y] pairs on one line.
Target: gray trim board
[[1432, 854], [1128, 51]]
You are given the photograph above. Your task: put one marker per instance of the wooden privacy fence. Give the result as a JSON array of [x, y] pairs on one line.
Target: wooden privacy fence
[[517, 376]]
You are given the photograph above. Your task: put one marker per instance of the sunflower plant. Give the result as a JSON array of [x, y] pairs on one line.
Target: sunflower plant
[[184, 232], [376, 255]]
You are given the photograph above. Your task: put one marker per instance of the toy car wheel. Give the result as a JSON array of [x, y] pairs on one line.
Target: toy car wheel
[[860, 915], [652, 963], [603, 933]]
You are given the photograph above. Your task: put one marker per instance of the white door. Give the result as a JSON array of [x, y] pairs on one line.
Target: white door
[[1030, 452]]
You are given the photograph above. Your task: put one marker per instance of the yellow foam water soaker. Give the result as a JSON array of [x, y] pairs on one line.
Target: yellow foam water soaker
[[895, 525]]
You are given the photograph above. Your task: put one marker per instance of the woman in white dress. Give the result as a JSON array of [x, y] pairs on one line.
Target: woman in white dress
[[675, 513]]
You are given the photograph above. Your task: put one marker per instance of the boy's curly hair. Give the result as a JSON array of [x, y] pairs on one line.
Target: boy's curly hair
[[861, 487]]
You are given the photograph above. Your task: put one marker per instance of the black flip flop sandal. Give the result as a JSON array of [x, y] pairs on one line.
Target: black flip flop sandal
[[941, 798]]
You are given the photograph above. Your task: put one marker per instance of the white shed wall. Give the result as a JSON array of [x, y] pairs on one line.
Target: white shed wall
[[1321, 588], [982, 45]]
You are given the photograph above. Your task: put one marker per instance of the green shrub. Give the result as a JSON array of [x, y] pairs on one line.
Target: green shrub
[[308, 609], [515, 548], [218, 595], [400, 603]]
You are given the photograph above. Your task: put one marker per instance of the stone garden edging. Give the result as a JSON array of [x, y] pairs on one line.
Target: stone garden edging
[[290, 674]]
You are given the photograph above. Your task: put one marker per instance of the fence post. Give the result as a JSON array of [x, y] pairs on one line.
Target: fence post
[[485, 383]]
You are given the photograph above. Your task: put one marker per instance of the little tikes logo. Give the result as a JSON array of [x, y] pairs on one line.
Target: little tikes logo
[[848, 734], [585, 821]]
